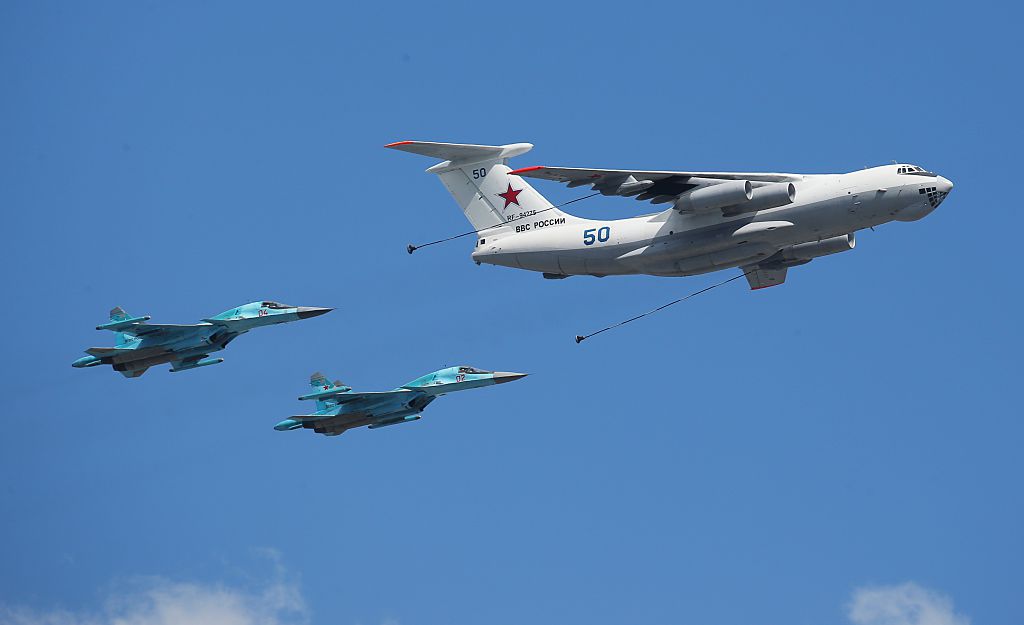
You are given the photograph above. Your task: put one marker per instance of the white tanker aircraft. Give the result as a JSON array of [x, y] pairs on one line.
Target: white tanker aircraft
[[763, 223]]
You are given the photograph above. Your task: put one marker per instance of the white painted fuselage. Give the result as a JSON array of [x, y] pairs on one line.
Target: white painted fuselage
[[674, 243]]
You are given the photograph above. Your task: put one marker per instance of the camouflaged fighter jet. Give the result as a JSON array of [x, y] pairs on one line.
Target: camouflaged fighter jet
[[141, 345], [340, 409]]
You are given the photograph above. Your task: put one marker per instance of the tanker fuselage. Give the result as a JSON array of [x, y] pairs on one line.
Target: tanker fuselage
[[677, 242]]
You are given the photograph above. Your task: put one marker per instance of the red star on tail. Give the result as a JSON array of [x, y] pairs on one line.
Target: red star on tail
[[511, 196]]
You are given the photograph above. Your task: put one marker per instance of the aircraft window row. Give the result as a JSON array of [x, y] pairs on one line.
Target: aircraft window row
[[906, 169], [276, 305], [471, 370]]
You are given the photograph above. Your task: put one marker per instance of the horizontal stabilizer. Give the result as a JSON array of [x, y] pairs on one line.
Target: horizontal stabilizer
[[120, 324], [326, 393], [324, 388], [462, 152]]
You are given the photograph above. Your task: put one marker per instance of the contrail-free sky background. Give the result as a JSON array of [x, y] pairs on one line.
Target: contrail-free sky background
[[837, 450]]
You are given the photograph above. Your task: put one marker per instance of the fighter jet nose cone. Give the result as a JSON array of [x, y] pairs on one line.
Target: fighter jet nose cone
[[305, 312], [500, 377]]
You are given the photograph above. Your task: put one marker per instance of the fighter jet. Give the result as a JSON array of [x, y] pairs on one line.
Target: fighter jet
[[338, 408], [141, 345], [763, 223]]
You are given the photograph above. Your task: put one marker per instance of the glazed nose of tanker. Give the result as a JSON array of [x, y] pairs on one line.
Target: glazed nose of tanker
[[937, 191]]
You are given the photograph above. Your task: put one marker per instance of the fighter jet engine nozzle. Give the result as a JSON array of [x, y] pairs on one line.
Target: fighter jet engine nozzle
[[815, 249], [728, 193]]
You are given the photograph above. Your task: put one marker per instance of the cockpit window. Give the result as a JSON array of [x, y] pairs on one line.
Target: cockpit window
[[471, 370], [276, 305], [913, 170]]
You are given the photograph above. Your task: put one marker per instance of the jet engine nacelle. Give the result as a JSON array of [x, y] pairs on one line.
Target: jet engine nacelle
[[715, 196], [815, 249], [769, 196], [737, 197]]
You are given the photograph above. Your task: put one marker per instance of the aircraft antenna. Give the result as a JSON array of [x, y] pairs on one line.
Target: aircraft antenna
[[412, 248], [581, 338]]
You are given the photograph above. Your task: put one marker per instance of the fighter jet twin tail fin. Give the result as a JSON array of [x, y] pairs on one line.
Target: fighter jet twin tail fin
[[325, 393], [121, 320]]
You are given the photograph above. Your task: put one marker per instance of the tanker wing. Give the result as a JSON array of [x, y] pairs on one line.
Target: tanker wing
[[655, 186]]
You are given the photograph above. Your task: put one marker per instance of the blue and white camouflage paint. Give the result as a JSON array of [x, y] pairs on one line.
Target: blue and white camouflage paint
[[141, 345], [339, 408]]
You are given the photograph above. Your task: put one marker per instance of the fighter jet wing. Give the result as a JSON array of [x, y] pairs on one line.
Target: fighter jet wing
[[121, 321], [161, 330], [328, 425], [101, 352], [763, 278], [345, 397], [348, 397], [656, 186], [361, 409]]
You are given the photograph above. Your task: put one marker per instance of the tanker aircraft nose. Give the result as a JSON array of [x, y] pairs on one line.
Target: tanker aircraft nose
[[944, 184], [305, 312], [500, 377]]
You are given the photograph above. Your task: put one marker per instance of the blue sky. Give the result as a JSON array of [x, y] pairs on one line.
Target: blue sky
[[774, 457]]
